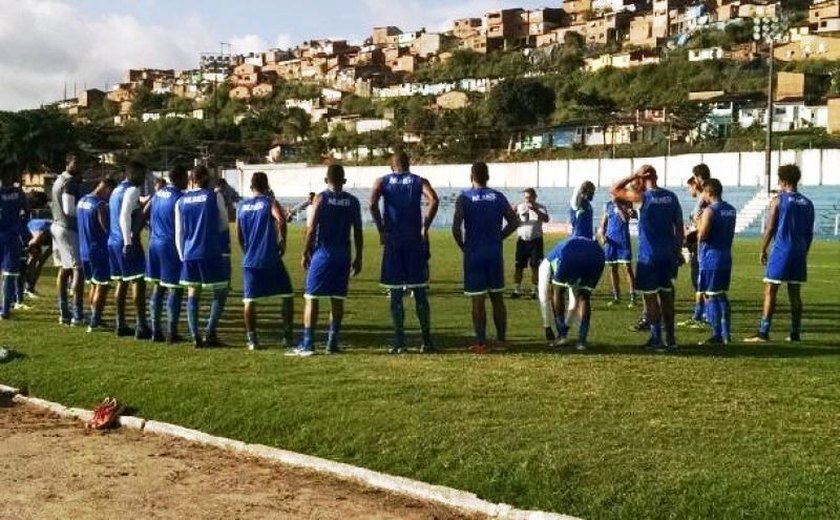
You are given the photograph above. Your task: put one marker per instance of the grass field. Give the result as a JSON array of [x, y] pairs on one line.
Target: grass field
[[613, 433]]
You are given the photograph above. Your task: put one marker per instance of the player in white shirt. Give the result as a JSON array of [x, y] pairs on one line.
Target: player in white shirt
[[529, 245]]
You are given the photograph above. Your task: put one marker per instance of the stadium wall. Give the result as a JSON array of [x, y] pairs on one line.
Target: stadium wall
[[745, 169]]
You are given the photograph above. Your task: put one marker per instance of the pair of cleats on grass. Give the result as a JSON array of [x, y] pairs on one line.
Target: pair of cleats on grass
[[105, 414]]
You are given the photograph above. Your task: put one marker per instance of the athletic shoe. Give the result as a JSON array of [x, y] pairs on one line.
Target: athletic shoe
[[213, 341], [758, 338], [300, 352], [123, 332], [428, 348], [198, 342], [549, 337], [478, 349], [158, 337], [713, 341], [691, 323], [641, 326], [64, 321], [581, 347], [20, 306], [561, 341], [143, 334], [97, 328], [794, 338], [252, 345], [32, 295], [105, 415], [396, 350], [655, 346]]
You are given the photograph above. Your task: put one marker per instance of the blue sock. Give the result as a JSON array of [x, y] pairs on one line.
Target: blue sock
[[217, 308], [332, 338], [308, 338], [424, 313], [481, 334], [398, 317], [63, 307], [713, 316], [656, 332], [79, 311], [583, 330], [725, 313], [156, 308], [560, 322], [764, 326], [173, 310], [9, 289], [698, 311], [192, 315]]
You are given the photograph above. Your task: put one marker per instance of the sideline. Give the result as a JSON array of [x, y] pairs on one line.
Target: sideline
[[462, 500]]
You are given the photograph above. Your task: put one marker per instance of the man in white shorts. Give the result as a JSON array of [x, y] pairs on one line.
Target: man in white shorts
[[65, 194]]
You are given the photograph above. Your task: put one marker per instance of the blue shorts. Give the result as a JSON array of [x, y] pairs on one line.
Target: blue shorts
[[10, 251], [405, 264], [97, 268], [127, 268], [266, 282], [328, 275], [785, 267], [714, 281], [618, 253], [656, 276], [208, 273], [580, 268], [484, 271], [164, 264]]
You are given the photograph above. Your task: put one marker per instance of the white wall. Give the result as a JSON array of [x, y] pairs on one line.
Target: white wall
[[819, 167]]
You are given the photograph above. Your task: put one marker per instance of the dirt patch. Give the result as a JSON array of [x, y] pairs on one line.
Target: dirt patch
[[52, 468]]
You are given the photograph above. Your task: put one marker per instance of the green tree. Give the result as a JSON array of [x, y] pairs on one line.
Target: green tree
[[519, 104]]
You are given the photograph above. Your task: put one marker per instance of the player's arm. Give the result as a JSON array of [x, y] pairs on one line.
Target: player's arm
[[179, 232], [542, 213], [240, 237], [433, 202], [512, 220], [679, 227], [131, 202], [358, 239], [704, 225], [620, 192], [375, 212], [68, 199], [221, 205], [602, 227], [309, 240], [279, 217], [458, 222], [102, 217], [770, 230]]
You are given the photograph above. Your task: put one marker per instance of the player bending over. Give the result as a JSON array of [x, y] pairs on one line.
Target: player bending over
[[579, 264], [480, 213], [261, 231], [790, 228], [326, 257]]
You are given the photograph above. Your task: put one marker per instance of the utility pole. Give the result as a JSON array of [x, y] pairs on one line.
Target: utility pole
[[768, 30]]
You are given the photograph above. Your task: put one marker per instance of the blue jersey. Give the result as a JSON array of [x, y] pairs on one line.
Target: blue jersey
[[259, 232], [659, 217], [337, 213], [12, 204], [162, 214], [39, 225], [716, 250], [582, 219], [402, 195], [199, 219], [795, 227], [115, 204], [618, 229], [93, 238], [484, 210]]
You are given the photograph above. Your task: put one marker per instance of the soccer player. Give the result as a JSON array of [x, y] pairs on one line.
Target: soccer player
[[13, 213], [700, 174], [529, 245], [478, 229], [790, 228], [660, 240], [614, 232], [64, 230], [579, 264], [200, 221], [125, 250], [581, 215], [163, 265], [404, 233], [261, 231], [39, 250], [715, 233], [326, 257], [92, 212]]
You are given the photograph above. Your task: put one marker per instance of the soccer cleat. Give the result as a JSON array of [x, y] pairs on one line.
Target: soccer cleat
[[713, 341], [549, 337], [32, 295], [143, 334], [478, 349], [581, 347], [300, 352], [105, 415], [428, 348], [758, 338], [794, 338], [20, 306], [632, 304], [641, 326], [691, 323], [64, 321], [77, 323], [396, 350], [252, 345], [198, 342], [97, 328], [561, 341], [124, 332], [158, 337]]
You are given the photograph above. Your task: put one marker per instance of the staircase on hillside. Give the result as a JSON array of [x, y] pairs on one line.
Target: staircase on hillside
[[752, 211]]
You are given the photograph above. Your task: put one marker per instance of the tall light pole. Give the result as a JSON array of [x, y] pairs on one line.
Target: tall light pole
[[768, 30]]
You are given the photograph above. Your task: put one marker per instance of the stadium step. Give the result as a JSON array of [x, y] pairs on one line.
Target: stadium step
[[752, 211]]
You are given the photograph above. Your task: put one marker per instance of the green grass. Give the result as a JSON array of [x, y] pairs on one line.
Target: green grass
[[615, 433]]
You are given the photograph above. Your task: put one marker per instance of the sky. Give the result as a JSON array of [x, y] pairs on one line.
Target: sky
[[49, 45]]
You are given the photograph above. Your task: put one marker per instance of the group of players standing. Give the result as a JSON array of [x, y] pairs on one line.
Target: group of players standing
[[97, 239]]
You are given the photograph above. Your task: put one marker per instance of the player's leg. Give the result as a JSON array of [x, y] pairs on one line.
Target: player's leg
[[288, 315], [120, 296], [310, 317], [558, 299], [397, 309], [156, 311], [585, 316], [654, 316], [536, 257], [217, 309], [667, 311], [424, 316], [9, 283], [544, 296], [571, 310], [100, 297], [174, 300], [771, 290], [78, 287], [215, 275], [249, 315], [62, 282], [520, 261], [631, 283], [193, 302], [336, 319], [499, 315], [615, 284], [795, 297], [479, 318]]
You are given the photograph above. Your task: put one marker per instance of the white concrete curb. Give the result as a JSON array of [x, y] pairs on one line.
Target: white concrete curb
[[9, 390], [462, 500]]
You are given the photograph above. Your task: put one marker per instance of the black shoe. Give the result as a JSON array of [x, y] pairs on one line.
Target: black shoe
[[654, 346], [333, 350], [158, 337], [794, 338], [198, 342], [124, 332], [174, 338], [143, 334], [515, 295], [213, 341], [428, 348], [549, 334]]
